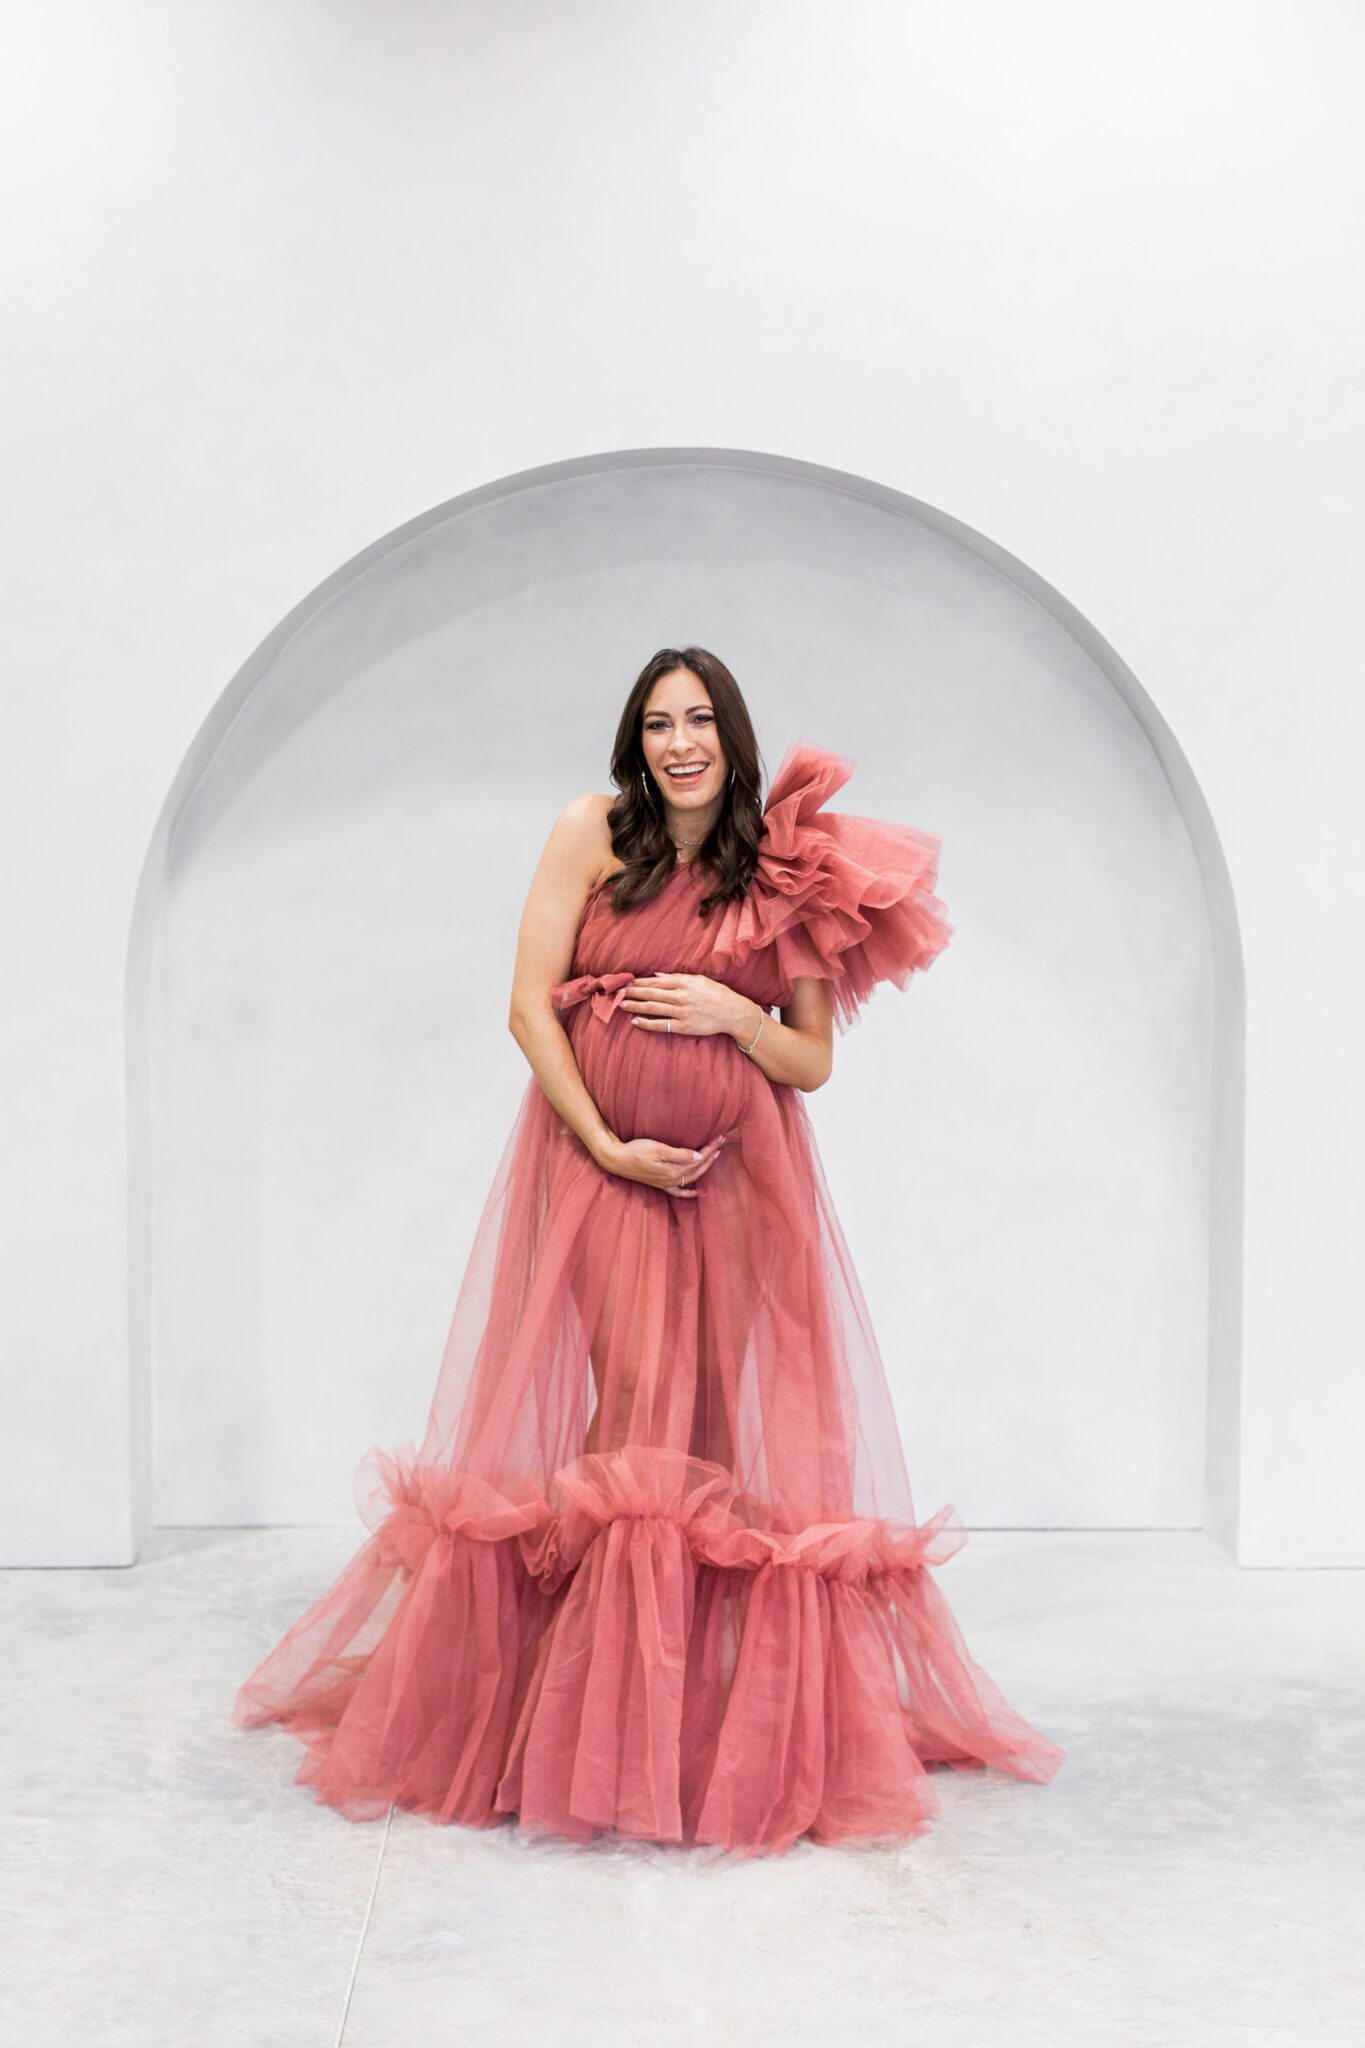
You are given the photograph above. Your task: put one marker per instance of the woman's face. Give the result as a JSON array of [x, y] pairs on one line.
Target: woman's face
[[678, 732]]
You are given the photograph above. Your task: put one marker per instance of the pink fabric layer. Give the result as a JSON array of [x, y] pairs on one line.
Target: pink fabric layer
[[846, 899], [655, 1567]]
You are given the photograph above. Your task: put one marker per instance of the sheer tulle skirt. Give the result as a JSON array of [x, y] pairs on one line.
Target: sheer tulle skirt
[[654, 1567]]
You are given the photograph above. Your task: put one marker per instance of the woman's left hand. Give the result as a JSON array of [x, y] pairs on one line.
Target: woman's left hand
[[693, 1003]]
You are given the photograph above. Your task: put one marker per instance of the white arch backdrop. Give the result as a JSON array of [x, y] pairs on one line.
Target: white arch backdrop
[[1036, 1152]]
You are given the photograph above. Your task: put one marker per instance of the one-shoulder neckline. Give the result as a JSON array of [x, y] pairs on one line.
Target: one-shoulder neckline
[[679, 867]]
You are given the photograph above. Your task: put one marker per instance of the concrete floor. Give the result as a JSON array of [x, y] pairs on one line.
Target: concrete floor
[[1193, 1877]]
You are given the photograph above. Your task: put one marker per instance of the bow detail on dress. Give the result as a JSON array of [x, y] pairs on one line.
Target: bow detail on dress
[[604, 991]]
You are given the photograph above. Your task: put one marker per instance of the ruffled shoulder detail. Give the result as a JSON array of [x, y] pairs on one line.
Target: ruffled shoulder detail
[[846, 899]]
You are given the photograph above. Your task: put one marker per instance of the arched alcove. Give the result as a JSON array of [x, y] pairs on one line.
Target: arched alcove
[[1036, 1152]]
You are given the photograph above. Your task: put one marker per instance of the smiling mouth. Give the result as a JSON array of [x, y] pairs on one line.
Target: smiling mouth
[[689, 774]]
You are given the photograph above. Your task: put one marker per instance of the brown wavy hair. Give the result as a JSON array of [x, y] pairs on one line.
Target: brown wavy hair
[[636, 819]]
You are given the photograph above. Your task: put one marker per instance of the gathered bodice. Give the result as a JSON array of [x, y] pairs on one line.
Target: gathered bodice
[[677, 1087], [663, 936]]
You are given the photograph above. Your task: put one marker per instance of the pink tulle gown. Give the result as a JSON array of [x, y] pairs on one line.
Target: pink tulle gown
[[655, 1567]]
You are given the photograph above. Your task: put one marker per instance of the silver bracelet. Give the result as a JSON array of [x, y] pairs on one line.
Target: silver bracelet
[[757, 1035]]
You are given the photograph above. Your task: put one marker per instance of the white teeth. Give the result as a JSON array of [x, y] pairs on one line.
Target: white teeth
[[686, 774]]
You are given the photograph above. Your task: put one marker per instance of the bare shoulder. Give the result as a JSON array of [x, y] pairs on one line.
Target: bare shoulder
[[582, 838], [556, 899]]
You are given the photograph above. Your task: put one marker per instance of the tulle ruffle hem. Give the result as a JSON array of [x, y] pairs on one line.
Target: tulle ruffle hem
[[630, 1654]]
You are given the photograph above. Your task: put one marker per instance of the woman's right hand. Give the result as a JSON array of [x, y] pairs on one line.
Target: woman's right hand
[[674, 1168]]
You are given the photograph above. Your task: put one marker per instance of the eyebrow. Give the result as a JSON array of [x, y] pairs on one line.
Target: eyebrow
[[691, 707]]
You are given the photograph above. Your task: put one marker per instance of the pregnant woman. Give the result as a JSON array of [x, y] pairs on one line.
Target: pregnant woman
[[654, 1568]]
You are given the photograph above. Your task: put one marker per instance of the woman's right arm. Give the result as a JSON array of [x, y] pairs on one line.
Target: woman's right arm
[[576, 852], [549, 923]]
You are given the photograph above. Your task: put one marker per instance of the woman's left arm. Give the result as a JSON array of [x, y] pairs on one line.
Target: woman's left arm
[[797, 1050]]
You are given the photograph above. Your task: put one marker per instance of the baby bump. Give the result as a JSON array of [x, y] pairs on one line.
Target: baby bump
[[672, 1086]]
